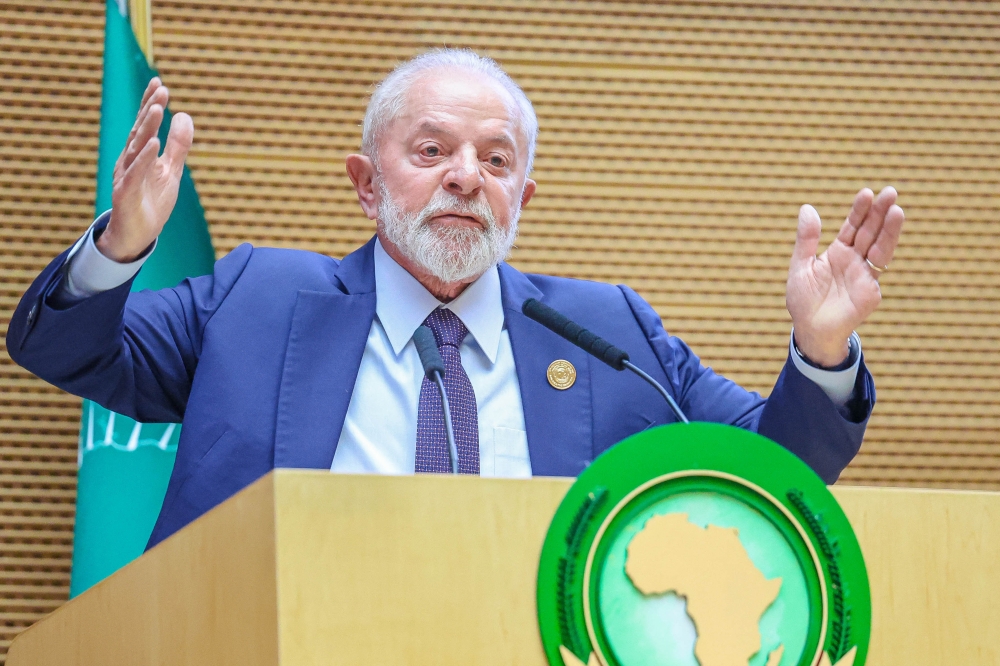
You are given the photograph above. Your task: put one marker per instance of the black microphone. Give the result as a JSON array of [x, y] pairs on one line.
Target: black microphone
[[593, 345], [430, 358], [578, 335]]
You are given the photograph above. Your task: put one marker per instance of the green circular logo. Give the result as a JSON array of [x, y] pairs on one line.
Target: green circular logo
[[702, 545]]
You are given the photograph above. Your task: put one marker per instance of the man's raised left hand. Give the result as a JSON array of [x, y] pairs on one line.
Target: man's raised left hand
[[830, 295]]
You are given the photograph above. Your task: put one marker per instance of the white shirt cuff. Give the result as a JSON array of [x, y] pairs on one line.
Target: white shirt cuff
[[837, 384], [89, 272]]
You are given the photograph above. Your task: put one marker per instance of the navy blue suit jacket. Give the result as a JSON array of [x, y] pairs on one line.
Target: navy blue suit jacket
[[259, 361]]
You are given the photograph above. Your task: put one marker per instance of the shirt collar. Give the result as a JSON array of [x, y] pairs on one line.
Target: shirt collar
[[402, 304]]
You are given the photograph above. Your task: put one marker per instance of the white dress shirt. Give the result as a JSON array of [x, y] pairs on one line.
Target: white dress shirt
[[380, 430], [90, 272]]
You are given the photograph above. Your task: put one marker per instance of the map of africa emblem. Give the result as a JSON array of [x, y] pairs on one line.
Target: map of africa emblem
[[702, 545]]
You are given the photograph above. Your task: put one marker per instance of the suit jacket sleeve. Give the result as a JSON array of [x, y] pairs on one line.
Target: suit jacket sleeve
[[798, 414], [133, 353]]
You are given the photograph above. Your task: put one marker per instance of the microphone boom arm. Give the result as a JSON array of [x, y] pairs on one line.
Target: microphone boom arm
[[655, 384]]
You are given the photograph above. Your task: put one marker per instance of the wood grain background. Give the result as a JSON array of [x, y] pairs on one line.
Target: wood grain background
[[677, 142]]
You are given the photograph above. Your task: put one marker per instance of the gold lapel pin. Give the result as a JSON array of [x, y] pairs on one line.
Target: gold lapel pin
[[561, 374]]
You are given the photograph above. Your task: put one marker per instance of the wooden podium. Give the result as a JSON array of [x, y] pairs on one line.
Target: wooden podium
[[309, 568]]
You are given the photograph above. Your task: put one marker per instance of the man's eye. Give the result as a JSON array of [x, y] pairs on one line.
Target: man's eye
[[497, 161], [432, 151]]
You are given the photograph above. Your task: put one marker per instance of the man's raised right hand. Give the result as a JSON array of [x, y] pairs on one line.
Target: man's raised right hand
[[145, 184]]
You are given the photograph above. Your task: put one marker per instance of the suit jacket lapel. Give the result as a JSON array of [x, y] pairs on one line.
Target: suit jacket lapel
[[559, 423], [328, 334]]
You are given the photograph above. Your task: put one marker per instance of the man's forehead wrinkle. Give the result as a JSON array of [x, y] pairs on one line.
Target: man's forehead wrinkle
[[449, 110], [458, 79], [505, 139], [434, 89], [432, 126]]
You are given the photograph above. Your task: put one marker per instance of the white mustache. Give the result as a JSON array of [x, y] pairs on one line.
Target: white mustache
[[447, 202]]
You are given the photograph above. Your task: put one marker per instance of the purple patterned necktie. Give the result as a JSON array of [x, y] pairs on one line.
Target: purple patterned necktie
[[432, 441]]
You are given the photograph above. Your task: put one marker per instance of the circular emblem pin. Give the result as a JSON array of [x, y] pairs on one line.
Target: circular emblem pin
[[561, 374], [702, 545]]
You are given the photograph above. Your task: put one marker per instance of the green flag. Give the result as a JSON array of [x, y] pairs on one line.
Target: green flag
[[124, 465]]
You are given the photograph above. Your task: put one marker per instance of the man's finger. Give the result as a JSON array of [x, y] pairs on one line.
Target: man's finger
[[160, 96], [873, 220], [806, 236], [150, 127], [151, 87], [119, 165], [142, 163], [178, 142], [882, 251], [859, 209]]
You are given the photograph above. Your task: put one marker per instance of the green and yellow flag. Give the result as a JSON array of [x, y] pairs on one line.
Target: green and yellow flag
[[124, 465]]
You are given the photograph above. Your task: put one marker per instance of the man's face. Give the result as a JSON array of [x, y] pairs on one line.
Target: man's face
[[452, 174]]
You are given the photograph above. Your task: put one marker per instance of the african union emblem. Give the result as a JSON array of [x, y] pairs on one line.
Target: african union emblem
[[702, 545]]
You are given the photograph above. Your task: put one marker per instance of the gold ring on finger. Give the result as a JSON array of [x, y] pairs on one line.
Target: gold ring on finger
[[877, 269]]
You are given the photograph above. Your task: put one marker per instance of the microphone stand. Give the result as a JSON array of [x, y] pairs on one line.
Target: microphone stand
[[449, 431], [430, 358], [655, 384]]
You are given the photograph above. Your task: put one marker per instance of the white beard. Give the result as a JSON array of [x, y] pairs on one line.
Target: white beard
[[449, 253]]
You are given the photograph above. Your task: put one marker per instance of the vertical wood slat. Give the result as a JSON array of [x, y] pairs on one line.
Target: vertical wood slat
[[677, 142], [50, 96]]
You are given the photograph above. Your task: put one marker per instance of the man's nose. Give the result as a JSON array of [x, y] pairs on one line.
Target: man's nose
[[464, 177]]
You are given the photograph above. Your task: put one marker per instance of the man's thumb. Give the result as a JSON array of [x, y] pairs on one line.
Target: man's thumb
[[807, 235], [179, 142]]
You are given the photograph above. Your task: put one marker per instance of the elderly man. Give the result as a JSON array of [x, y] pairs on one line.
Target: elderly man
[[292, 359]]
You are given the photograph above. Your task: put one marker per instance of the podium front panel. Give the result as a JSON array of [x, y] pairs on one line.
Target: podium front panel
[[307, 568]]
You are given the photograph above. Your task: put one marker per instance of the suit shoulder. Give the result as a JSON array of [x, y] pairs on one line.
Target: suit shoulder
[[564, 287], [585, 301], [284, 266], [547, 283], [290, 259]]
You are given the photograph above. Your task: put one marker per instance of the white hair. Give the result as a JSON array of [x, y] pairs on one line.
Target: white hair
[[389, 97]]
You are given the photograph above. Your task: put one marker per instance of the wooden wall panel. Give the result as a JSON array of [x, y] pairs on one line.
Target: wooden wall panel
[[677, 142], [50, 98]]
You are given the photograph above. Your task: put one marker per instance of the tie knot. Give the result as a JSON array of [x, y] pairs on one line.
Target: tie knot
[[448, 329]]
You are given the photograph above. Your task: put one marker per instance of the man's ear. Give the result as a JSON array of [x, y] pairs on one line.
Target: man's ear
[[528, 191], [361, 171]]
